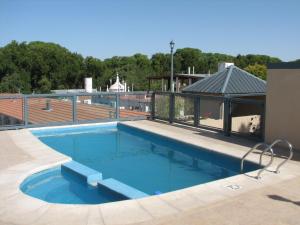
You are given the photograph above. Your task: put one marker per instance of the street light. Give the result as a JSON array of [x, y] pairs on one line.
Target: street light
[[172, 44]]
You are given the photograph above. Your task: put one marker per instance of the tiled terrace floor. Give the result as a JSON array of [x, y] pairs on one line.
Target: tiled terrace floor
[[273, 200]]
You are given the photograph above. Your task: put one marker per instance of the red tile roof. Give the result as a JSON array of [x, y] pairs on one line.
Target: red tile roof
[[61, 110]]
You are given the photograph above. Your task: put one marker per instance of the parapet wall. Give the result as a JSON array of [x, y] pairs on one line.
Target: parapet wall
[[283, 103]]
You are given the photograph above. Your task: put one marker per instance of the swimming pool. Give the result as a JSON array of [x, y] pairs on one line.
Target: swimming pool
[[150, 163]]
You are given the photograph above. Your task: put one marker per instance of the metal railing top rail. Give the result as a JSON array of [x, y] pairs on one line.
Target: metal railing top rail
[[247, 101], [14, 96], [233, 98], [86, 94], [190, 95], [246, 95], [11, 96]]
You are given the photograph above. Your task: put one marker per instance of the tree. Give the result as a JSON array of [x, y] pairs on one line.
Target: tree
[[188, 57], [44, 85], [15, 83], [160, 64], [257, 70], [42, 66]]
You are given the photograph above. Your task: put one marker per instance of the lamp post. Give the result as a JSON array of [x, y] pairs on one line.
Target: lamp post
[[172, 44]]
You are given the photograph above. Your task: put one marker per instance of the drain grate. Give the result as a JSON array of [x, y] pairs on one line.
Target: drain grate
[[234, 187]]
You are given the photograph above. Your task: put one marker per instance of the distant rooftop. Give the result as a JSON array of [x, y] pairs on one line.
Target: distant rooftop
[[230, 81]]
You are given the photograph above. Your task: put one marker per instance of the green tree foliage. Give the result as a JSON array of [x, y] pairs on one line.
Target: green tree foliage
[[243, 61], [40, 67], [15, 83], [257, 70], [44, 85], [160, 64], [188, 57]]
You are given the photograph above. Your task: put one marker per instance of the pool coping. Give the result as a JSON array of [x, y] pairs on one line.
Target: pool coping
[[127, 211]]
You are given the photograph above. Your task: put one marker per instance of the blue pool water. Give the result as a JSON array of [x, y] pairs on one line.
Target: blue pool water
[[148, 162], [58, 186]]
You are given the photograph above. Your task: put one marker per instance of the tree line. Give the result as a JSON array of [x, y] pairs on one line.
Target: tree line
[[40, 67]]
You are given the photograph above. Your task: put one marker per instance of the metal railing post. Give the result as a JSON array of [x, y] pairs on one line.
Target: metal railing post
[[227, 117], [263, 121], [117, 106], [153, 106], [196, 111], [25, 111], [172, 107], [74, 108]]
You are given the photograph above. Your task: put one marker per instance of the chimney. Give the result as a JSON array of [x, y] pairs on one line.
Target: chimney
[[189, 70], [224, 65], [88, 84], [193, 70], [48, 105]]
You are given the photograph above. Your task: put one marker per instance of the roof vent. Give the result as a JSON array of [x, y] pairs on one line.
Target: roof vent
[[224, 65], [48, 105]]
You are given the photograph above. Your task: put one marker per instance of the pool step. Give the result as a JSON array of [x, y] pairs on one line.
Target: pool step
[[94, 178], [121, 188], [91, 176]]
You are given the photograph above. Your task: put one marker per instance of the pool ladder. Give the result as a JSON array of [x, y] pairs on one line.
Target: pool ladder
[[268, 148]]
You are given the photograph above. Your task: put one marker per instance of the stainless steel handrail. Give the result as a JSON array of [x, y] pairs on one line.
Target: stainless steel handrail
[[290, 146], [260, 161], [268, 148], [251, 150]]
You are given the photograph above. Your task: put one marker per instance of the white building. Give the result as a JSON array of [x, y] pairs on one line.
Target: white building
[[117, 86]]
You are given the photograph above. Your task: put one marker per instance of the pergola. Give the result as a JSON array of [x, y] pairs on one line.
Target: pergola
[[180, 79]]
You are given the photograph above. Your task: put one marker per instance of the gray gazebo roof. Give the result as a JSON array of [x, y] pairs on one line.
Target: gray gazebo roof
[[230, 81]]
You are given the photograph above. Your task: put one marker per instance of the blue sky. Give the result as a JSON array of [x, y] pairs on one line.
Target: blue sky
[[123, 27]]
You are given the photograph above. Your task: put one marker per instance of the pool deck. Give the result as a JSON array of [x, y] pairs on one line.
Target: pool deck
[[272, 200]]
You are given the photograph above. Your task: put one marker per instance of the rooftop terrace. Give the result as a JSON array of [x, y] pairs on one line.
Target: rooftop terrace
[[272, 200]]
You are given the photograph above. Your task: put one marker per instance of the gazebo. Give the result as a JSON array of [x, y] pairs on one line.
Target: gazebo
[[181, 80], [235, 83], [232, 81]]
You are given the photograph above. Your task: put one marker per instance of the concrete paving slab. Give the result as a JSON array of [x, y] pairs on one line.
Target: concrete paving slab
[[123, 212]]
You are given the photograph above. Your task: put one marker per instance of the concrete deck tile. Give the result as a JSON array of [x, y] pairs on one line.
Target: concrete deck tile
[[20, 209], [64, 214], [23, 217], [206, 195], [181, 200], [94, 216], [7, 192], [157, 207], [123, 212]]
